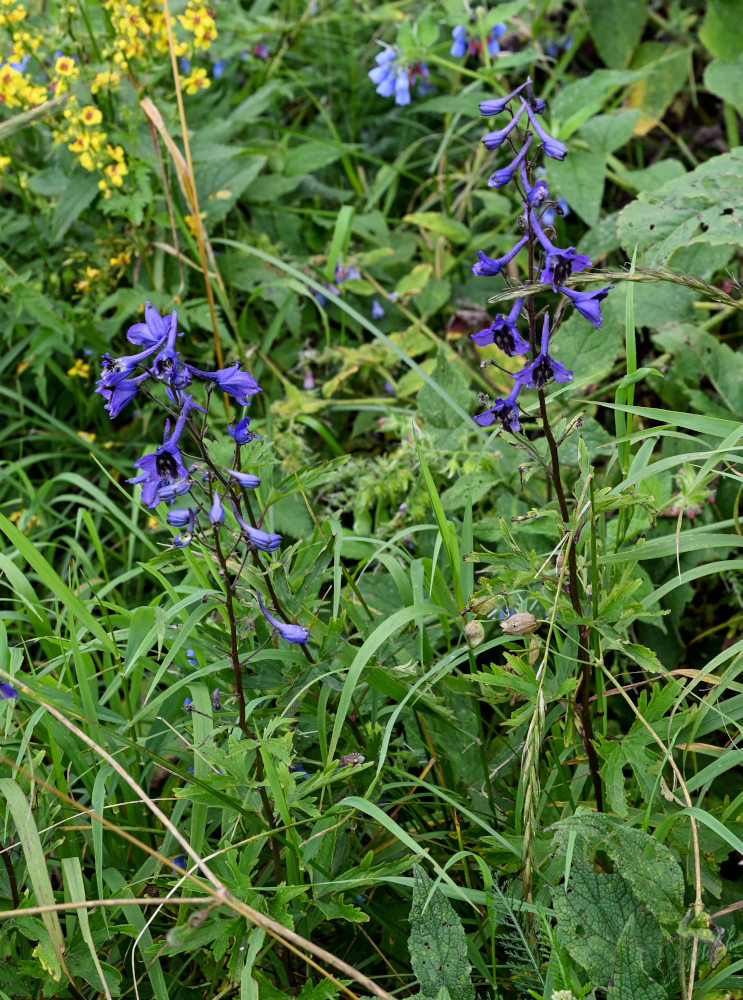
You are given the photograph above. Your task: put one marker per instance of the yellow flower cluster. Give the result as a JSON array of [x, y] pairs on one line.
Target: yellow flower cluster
[[11, 13], [17, 89], [89, 145], [141, 28]]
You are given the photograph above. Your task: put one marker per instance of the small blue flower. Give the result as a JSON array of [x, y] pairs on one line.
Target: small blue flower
[[236, 383], [188, 705], [245, 478], [154, 329], [459, 45], [164, 465], [559, 264], [499, 104], [504, 410], [179, 517], [377, 310], [503, 333], [465, 42], [500, 177], [552, 147], [169, 491], [240, 431], [7, 690], [588, 304], [392, 78], [263, 540], [191, 657], [550, 213], [490, 266], [216, 703], [185, 64], [492, 140], [216, 512], [543, 368], [292, 633], [218, 68], [179, 863]]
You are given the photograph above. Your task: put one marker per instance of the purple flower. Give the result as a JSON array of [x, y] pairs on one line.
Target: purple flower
[[236, 383], [538, 193], [164, 465], [392, 78], [292, 633], [548, 216], [503, 333], [263, 540], [179, 517], [260, 51], [216, 512], [240, 431], [245, 478], [377, 310], [543, 368], [216, 703], [7, 690], [588, 304], [491, 140], [459, 45], [559, 264], [552, 147], [504, 410], [169, 491], [498, 104], [504, 175], [489, 266], [219, 67], [118, 391], [154, 329]]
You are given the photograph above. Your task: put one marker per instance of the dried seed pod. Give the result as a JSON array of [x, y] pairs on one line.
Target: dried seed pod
[[474, 633], [522, 623]]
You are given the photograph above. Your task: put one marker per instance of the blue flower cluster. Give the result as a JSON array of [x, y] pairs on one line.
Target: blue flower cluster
[[466, 42], [164, 475], [555, 265], [394, 76]]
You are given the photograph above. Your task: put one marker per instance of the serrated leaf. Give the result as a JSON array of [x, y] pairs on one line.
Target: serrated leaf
[[702, 207], [438, 947], [80, 191], [592, 914], [630, 980], [440, 225]]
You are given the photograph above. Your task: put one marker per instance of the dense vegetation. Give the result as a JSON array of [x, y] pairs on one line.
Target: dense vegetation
[[310, 683]]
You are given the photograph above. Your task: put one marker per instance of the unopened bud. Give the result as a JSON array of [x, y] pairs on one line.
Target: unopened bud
[[474, 633], [522, 623]]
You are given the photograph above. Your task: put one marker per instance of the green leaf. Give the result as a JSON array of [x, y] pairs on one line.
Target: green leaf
[[630, 980], [580, 179], [605, 133], [722, 31], [698, 353], [439, 224], [80, 191], [310, 156], [432, 406], [438, 947], [665, 74], [592, 914], [724, 79], [702, 207], [616, 28]]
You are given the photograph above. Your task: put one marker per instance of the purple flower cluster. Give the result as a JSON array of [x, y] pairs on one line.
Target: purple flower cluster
[[164, 474], [465, 42], [394, 77], [553, 264]]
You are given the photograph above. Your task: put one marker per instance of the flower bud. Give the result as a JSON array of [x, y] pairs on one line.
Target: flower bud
[[474, 633], [522, 623]]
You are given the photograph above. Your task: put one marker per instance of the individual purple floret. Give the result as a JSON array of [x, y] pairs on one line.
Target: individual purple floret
[[236, 383], [263, 540], [292, 633], [502, 176], [164, 465], [496, 105], [240, 431], [503, 333], [559, 264], [245, 478], [490, 266], [492, 140], [154, 329], [7, 690], [216, 512], [552, 147], [504, 410], [543, 368], [588, 304]]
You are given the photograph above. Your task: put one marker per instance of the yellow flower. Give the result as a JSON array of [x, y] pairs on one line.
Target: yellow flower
[[88, 436], [65, 66], [115, 173], [102, 80], [198, 80], [91, 115], [91, 273], [120, 259], [4, 161], [191, 222], [81, 369]]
